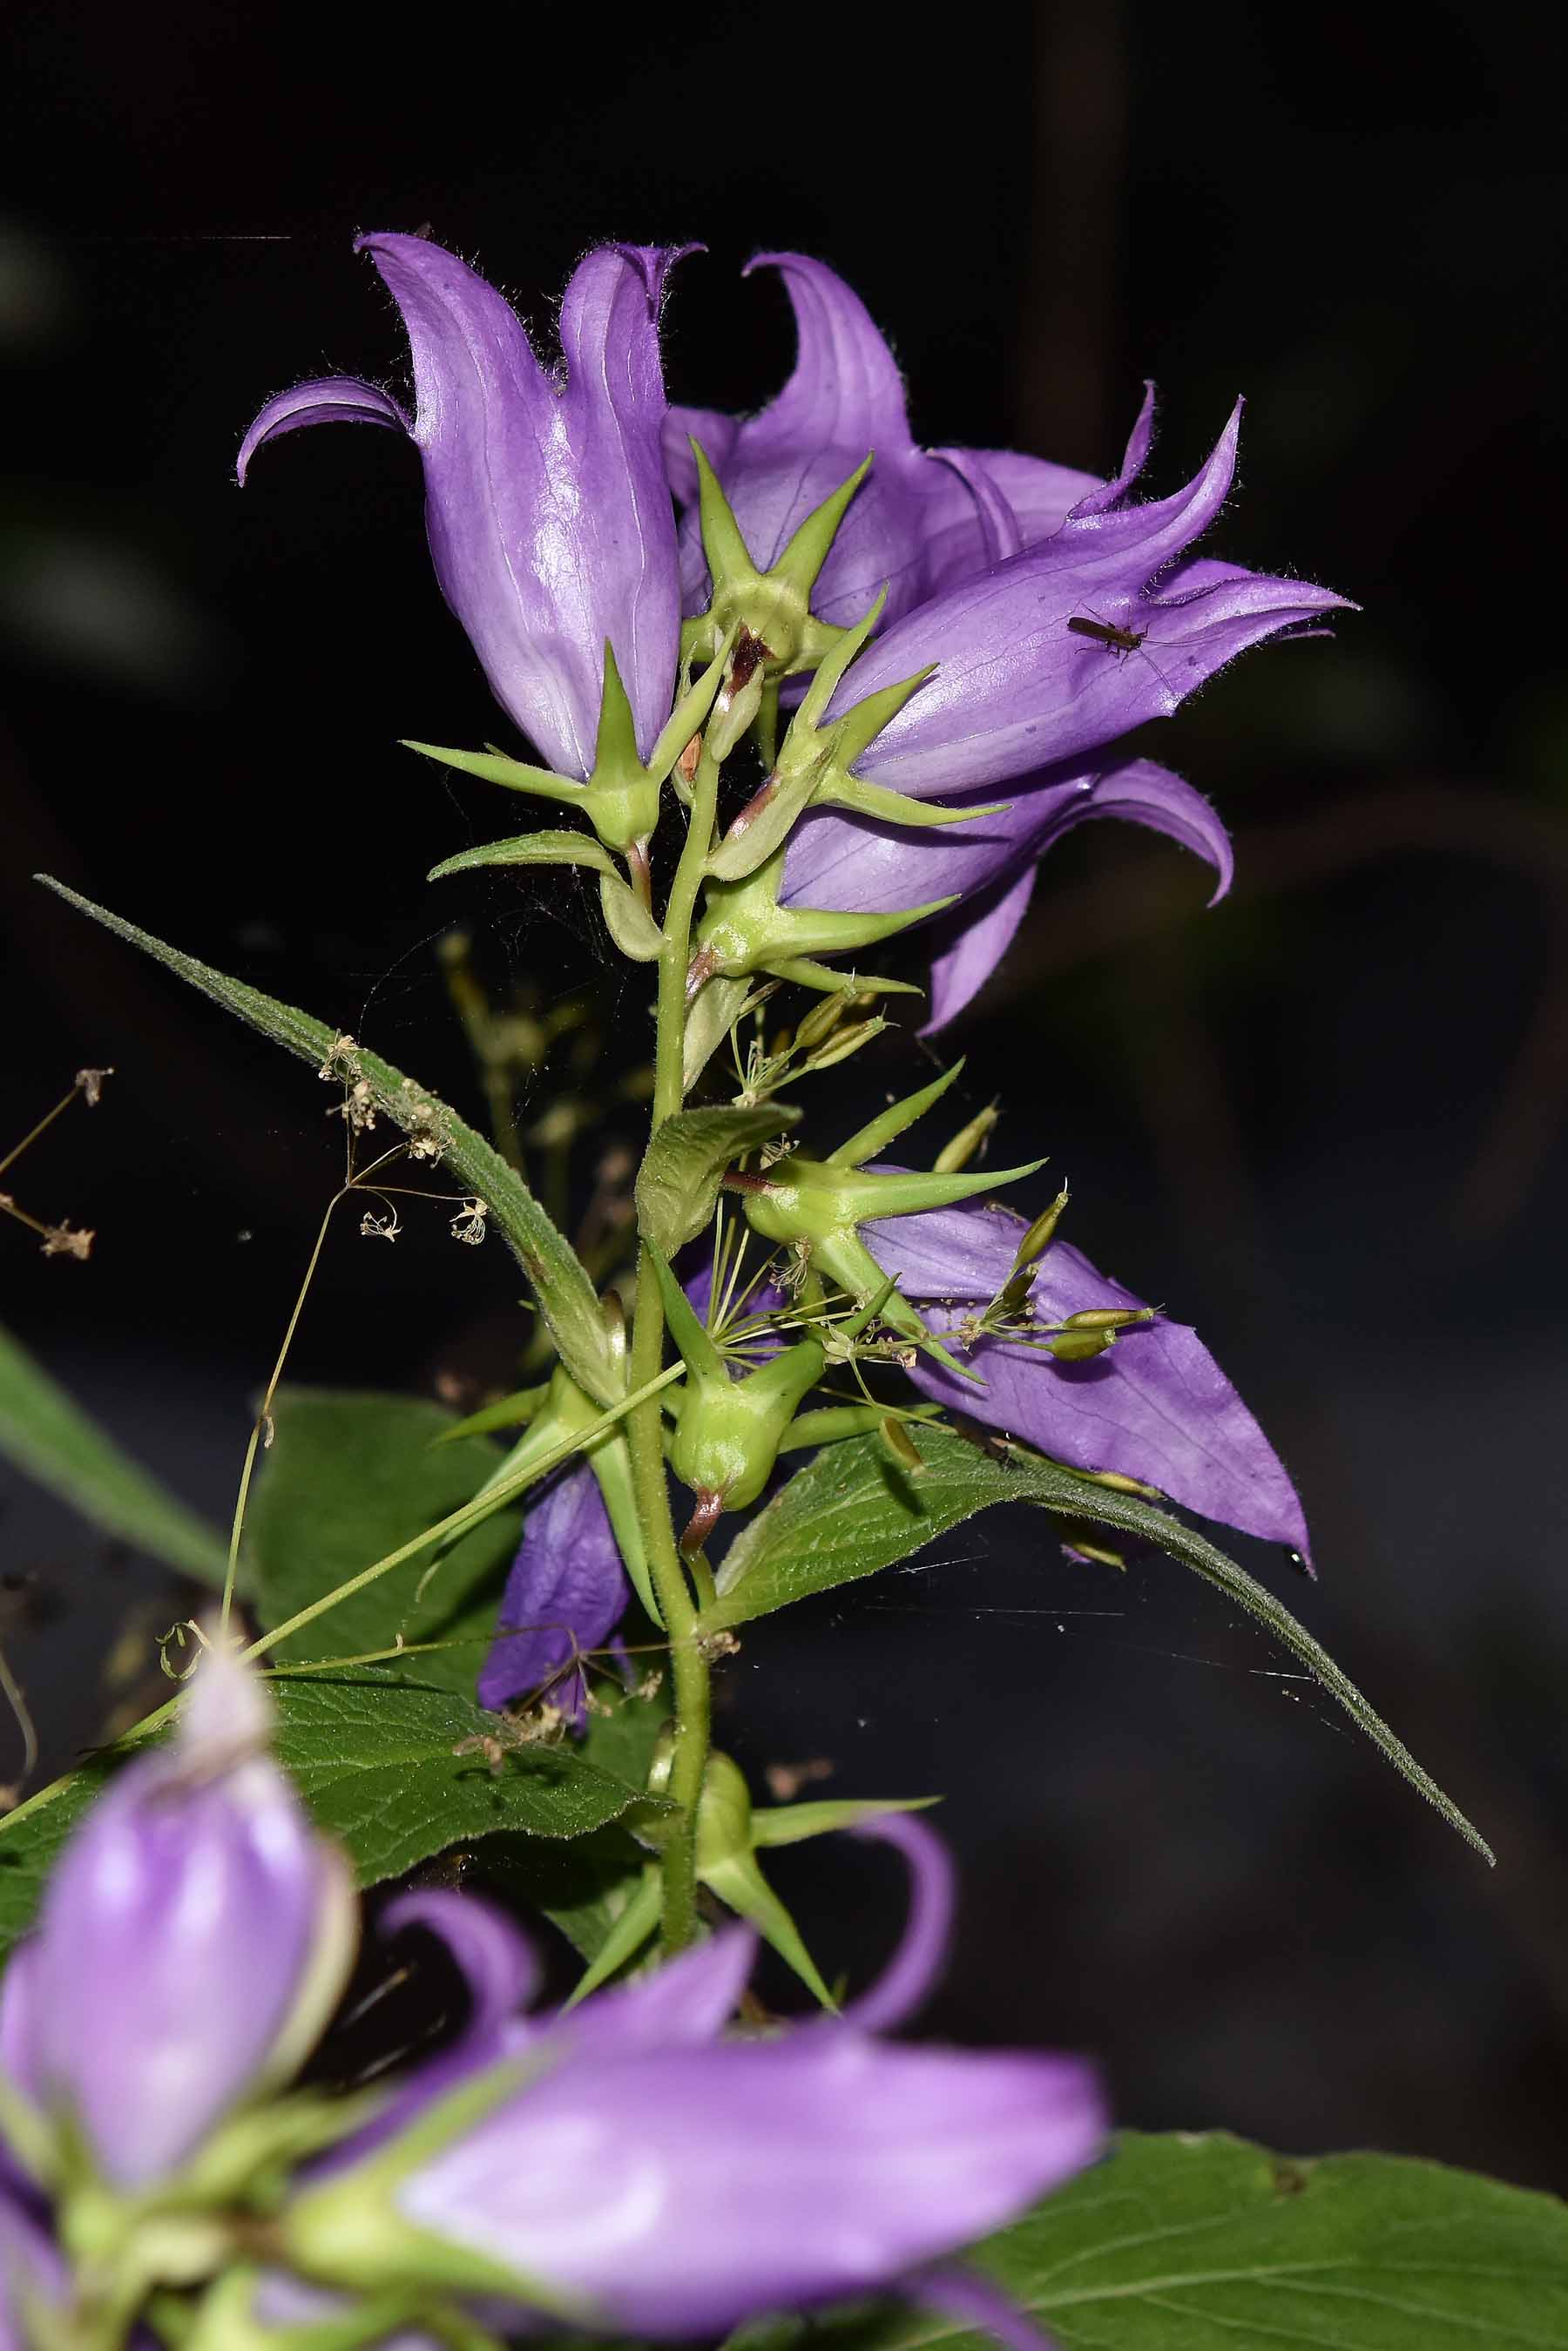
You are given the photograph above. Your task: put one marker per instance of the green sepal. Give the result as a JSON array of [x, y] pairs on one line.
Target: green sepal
[[870, 1140], [745, 929], [792, 1824], [834, 1422], [529, 849], [852, 792], [773, 606], [629, 922], [697, 1350], [805, 973], [726, 1865], [498, 767], [637, 1922]]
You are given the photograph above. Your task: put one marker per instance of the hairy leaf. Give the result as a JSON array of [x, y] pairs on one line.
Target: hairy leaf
[[677, 1183], [353, 1477], [371, 1750], [1206, 2244], [565, 1293], [851, 1510]]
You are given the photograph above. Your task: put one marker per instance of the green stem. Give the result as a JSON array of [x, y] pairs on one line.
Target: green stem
[[688, 1658]]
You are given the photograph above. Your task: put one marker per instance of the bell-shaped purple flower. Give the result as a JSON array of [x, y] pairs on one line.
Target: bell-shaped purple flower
[[1154, 1406], [550, 518], [643, 2175], [915, 524], [565, 1596], [851, 865], [194, 1936]]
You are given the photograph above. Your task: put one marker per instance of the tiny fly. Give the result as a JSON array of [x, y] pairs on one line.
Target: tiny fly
[[1107, 634]]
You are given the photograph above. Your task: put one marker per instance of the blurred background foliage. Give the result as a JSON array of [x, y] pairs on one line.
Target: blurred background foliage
[[1325, 1122]]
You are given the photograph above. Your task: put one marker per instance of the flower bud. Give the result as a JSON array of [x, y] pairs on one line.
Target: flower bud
[[194, 1937]]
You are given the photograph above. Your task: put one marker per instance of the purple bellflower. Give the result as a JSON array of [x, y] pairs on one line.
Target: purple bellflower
[[1022, 696], [1156, 1406], [915, 523], [638, 2172], [194, 1936], [550, 518]]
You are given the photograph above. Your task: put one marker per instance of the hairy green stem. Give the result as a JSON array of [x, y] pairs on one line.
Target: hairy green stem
[[688, 1658]]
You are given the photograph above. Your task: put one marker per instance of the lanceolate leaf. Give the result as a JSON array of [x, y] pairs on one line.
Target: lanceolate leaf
[[851, 1511], [1206, 2244], [371, 1750], [677, 1183], [565, 1293], [353, 1477], [50, 1438]]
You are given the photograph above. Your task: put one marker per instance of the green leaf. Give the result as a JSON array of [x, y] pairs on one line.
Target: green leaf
[[1206, 2244], [851, 1511], [50, 1438], [353, 1477], [565, 1293], [371, 1752], [677, 1183]]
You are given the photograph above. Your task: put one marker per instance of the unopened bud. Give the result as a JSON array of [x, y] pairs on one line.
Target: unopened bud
[[848, 1041], [900, 1445], [1038, 1238], [1108, 1318], [957, 1155], [1080, 1346]]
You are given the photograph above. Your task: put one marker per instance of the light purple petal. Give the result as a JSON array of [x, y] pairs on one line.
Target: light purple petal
[[717, 432], [680, 2191], [1000, 532], [684, 2003], [566, 1594], [1017, 689], [981, 939], [331, 399], [178, 1932], [1156, 1406], [914, 1966]]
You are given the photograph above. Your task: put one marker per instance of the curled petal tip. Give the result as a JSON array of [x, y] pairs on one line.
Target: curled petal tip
[[909, 1975]]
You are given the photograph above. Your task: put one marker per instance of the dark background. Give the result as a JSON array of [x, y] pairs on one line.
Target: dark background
[[1326, 1122]]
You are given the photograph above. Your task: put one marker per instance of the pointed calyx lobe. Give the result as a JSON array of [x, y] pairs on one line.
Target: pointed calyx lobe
[[548, 514]]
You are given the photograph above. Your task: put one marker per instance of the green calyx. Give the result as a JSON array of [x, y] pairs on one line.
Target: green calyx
[[620, 799], [814, 763], [815, 1208], [773, 609], [728, 1430], [729, 1831], [744, 929]]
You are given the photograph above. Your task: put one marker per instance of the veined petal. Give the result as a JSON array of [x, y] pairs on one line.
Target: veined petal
[[330, 399], [687, 2190], [1156, 1406], [548, 516], [566, 1594], [717, 432]]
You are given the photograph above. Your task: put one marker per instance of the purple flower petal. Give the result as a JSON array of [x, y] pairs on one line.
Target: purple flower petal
[[981, 937], [497, 1965], [848, 864], [566, 1594], [684, 2003], [909, 1975], [679, 2192], [980, 2306], [193, 1928], [1016, 689], [331, 399], [1156, 1406], [549, 515]]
